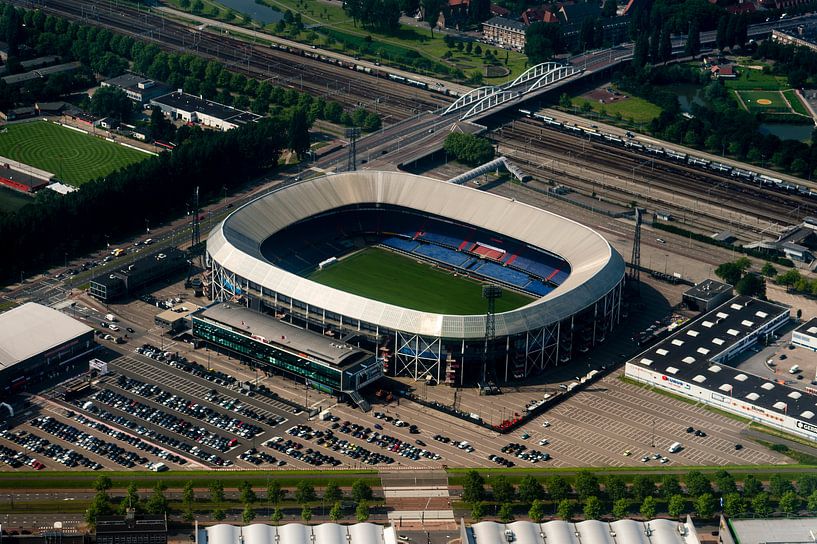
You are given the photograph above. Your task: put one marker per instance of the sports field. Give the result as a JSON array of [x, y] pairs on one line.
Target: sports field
[[71, 156], [764, 101], [388, 277]]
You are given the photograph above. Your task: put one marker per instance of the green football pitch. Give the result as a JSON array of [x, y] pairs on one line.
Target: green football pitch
[[73, 157], [388, 277]]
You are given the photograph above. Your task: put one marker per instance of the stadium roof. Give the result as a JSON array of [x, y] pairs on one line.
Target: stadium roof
[[31, 329], [624, 531], [296, 533], [596, 268]]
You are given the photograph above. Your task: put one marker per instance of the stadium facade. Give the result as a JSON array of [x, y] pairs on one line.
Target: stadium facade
[[572, 274]]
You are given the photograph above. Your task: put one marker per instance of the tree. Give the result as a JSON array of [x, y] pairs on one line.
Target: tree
[[677, 506], [609, 8], [693, 44], [811, 503], [641, 51], [751, 486], [720, 37], [648, 507], [768, 270], [218, 514], [530, 489], [697, 484], [298, 133], [102, 483], [733, 504], [789, 502], [705, 505], [217, 491], [332, 493], [362, 511], [431, 11], [564, 510], [643, 487], [506, 512], [274, 492], [100, 506], [467, 148], [621, 508], [670, 486], [473, 490], [615, 487], [729, 272], [361, 491], [188, 495], [305, 492], [246, 493], [779, 485], [751, 285], [592, 507], [665, 45], [806, 484], [558, 488], [537, 511], [157, 502], [565, 101], [477, 510], [543, 41], [336, 512], [160, 127], [725, 482], [502, 489], [761, 505], [111, 102], [248, 514], [587, 485], [277, 515], [306, 513]]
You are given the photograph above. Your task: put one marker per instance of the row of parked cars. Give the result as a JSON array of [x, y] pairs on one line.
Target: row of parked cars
[[259, 458], [390, 443], [16, 459], [328, 440], [37, 444], [160, 418], [397, 422], [181, 362], [459, 444], [134, 441], [189, 407], [521, 451], [296, 450], [69, 433]]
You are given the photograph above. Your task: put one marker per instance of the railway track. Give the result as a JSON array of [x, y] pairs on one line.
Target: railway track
[[395, 101]]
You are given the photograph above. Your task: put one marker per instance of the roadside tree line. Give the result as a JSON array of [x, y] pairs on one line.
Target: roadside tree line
[[591, 496]]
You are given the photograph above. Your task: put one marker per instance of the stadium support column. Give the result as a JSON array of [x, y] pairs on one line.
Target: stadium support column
[[195, 234], [635, 261], [352, 134], [490, 293]]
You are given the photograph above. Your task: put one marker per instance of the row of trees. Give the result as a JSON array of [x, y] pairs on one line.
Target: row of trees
[[799, 64], [746, 283], [305, 495], [648, 494], [469, 149]]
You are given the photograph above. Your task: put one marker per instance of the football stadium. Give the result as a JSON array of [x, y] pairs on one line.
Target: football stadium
[[395, 264]]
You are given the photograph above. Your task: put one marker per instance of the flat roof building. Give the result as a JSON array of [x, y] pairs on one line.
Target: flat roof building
[[767, 531], [328, 364], [806, 335], [20, 181], [138, 88], [176, 318], [131, 529], [694, 363], [36, 343], [801, 36], [16, 79], [707, 295], [194, 109], [140, 272]]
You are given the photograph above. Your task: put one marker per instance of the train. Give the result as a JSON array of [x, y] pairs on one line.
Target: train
[[631, 144]]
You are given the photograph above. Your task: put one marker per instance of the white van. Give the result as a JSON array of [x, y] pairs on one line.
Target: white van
[[794, 369], [111, 317], [675, 447]]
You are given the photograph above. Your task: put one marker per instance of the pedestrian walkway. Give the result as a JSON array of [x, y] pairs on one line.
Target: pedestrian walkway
[[418, 499]]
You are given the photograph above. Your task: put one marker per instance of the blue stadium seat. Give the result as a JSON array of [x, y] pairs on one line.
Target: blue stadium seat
[[505, 275], [400, 243], [442, 254]]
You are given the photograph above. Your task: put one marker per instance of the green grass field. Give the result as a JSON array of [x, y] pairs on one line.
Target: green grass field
[[749, 79], [763, 101], [796, 103], [388, 277], [73, 157], [632, 108]]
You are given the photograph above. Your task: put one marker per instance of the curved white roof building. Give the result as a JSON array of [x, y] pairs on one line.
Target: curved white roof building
[[572, 316]]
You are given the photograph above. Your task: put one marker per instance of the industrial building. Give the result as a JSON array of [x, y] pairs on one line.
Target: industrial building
[[296, 533], [131, 529], [116, 284], [694, 363], [623, 531], [767, 531], [38, 343], [194, 109], [327, 364], [806, 335], [139, 89], [177, 318], [263, 251], [707, 295]]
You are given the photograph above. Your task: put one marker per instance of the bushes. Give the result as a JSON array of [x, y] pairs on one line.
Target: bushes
[[469, 149]]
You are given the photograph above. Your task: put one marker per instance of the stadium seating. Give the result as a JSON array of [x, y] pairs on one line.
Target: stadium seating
[[442, 254], [505, 275], [538, 288], [442, 239], [400, 243]]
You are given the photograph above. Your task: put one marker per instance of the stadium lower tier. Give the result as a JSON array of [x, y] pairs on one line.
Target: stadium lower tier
[[469, 250]]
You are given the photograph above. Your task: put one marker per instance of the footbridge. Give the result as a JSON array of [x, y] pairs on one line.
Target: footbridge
[[535, 80]]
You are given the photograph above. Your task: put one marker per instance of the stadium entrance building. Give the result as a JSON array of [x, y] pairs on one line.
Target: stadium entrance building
[[572, 277], [38, 343], [325, 363]]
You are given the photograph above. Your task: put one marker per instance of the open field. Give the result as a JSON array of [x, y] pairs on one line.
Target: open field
[[796, 104], [395, 279], [749, 79], [73, 157], [631, 108], [763, 101]]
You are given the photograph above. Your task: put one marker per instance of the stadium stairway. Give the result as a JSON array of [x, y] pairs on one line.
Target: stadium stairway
[[360, 401]]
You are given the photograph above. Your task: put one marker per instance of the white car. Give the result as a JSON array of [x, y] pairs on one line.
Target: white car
[[546, 423], [544, 442]]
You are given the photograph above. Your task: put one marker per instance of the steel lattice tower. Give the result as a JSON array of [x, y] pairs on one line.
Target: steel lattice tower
[[491, 293], [352, 134], [635, 261]]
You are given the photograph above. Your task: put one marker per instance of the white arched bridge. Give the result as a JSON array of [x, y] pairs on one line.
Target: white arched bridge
[[538, 78]]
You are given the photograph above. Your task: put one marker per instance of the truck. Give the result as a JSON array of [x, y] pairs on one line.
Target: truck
[[159, 467], [112, 318]]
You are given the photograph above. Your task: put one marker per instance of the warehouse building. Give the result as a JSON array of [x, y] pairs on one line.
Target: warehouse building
[[277, 347], [131, 529], [177, 318], [707, 295], [767, 531], [806, 335], [194, 109], [114, 285], [296, 533], [623, 531], [38, 343], [137, 88]]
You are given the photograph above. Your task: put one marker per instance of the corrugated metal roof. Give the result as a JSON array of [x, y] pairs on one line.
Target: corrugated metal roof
[[596, 268], [33, 328], [297, 533]]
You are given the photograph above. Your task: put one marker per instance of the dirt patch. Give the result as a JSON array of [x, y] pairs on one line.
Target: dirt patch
[[604, 95]]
